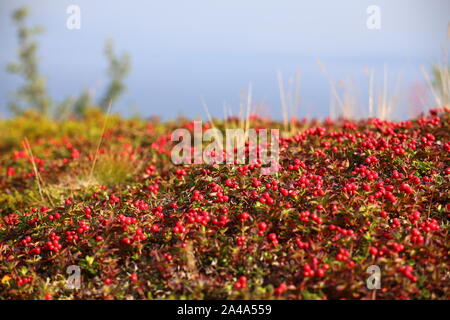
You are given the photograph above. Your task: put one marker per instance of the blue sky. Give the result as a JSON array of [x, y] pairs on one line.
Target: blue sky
[[182, 50]]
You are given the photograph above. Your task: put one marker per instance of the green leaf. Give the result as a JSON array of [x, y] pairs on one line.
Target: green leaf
[[89, 260]]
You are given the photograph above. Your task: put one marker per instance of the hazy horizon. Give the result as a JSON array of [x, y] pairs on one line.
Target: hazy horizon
[[182, 50]]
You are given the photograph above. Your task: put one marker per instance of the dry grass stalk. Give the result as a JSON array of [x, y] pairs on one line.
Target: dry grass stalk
[[100, 141]]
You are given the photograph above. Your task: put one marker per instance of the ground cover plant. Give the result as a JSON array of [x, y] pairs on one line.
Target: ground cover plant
[[349, 195]]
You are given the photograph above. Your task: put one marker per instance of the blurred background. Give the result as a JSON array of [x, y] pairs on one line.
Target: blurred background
[[183, 52]]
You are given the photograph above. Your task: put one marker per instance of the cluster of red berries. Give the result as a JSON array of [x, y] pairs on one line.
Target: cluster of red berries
[[241, 283]]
